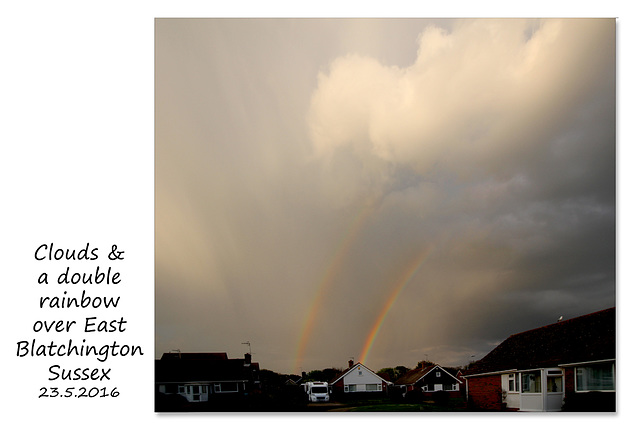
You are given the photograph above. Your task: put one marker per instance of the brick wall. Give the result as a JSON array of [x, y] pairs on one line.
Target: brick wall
[[569, 380], [485, 392]]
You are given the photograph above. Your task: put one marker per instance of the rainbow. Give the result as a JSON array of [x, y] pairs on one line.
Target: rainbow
[[404, 279], [328, 278]]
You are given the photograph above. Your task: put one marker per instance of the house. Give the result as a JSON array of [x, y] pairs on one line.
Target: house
[[567, 365], [293, 381], [202, 377], [358, 379], [428, 379]]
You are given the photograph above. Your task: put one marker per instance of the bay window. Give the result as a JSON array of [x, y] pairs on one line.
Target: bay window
[[531, 382]]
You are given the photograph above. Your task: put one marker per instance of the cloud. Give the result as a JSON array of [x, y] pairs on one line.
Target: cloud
[[496, 146], [478, 99], [292, 155]]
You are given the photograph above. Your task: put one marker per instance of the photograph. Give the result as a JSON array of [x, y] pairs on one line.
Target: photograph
[[385, 214]]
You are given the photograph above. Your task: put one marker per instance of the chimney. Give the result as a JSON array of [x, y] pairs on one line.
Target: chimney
[[350, 363], [247, 359]]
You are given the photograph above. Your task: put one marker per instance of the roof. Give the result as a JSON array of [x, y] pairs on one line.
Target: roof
[[415, 375], [194, 356], [203, 367], [582, 339], [346, 371], [385, 376]]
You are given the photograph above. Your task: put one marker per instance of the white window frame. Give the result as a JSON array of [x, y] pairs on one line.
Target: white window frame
[[536, 373], [217, 388], [194, 391], [513, 379], [350, 388], [613, 377], [555, 374]]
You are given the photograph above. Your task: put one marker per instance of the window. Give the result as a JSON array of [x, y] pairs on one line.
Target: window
[[228, 387], [194, 391], [350, 388], [170, 388], [225, 387], [181, 389], [531, 382], [374, 387], [451, 387], [514, 382], [554, 384], [595, 378], [438, 374]]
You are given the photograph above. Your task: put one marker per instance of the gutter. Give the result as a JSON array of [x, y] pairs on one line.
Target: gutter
[[491, 373], [587, 363]]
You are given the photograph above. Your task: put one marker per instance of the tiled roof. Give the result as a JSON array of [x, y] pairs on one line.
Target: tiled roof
[[412, 376], [582, 339], [346, 371], [194, 356], [203, 369], [385, 376]]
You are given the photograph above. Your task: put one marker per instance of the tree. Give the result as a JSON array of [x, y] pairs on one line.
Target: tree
[[389, 371], [394, 373], [326, 375], [401, 370], [424, 363]]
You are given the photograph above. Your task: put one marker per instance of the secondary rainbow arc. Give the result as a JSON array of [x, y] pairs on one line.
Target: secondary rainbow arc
[[405, 278]]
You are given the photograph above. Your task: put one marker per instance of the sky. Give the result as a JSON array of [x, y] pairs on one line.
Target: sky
[[387, 190]]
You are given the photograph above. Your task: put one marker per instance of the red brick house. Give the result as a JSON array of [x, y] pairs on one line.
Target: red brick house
[[429, 379], [568, 365]]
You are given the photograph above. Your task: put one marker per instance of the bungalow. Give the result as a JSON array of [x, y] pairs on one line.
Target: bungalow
[[200, 377], [567, 365], [428, 379], [359, 379]]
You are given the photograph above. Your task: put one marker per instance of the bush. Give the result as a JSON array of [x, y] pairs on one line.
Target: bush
[[593, 401], [415, 396], [441, 397]]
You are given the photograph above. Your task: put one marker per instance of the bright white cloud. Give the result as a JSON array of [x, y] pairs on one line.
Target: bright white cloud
[[485, 89]]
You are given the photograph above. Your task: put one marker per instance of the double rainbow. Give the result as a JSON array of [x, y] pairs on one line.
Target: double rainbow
[[322, 290], [405, 278]]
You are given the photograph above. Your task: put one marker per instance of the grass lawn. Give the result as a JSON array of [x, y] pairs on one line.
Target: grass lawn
[[404, 407]]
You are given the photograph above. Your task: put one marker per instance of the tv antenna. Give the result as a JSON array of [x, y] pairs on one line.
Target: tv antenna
[[249, 344]]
